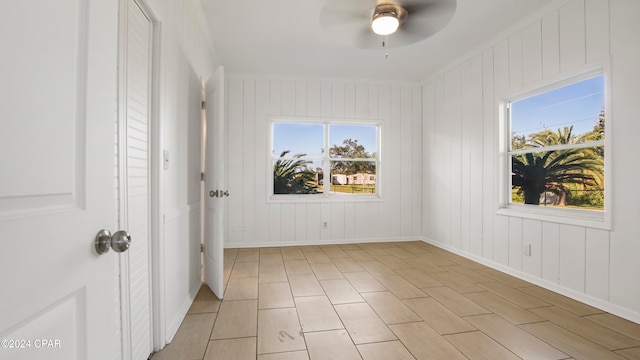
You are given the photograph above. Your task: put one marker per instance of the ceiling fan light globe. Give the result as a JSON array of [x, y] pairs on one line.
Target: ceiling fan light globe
[[385, 24]]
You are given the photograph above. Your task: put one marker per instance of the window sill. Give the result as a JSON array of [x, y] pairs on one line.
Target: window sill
[[586, 218], [334, 198]]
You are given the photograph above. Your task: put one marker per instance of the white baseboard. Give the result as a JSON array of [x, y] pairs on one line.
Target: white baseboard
[[319, 242], [173, 327], [576, 295]]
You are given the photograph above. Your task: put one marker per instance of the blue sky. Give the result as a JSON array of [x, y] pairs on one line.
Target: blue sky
[[308, 138], [578, 104]]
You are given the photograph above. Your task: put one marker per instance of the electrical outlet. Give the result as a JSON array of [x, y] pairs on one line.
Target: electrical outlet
[[325, 225]]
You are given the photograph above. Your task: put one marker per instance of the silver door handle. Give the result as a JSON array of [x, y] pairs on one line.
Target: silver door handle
[[218, 193], [120, 241]]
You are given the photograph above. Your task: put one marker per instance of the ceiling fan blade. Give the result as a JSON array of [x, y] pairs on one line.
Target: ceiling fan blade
[[420, 7], [402, 37], [335, 12], [349, 22], [425, 18], [437, 12], [366, 39], [341, 18]]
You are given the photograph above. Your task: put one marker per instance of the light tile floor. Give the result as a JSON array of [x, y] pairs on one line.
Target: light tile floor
[[405, 300]]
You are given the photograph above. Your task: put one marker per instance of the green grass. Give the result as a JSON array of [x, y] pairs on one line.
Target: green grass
[[354, 189], [575, 200]]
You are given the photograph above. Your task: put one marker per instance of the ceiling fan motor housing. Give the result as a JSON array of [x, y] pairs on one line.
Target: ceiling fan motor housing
[[361, 23], [390, 10]]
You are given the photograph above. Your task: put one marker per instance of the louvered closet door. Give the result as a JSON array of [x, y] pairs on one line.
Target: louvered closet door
[[135, 197]]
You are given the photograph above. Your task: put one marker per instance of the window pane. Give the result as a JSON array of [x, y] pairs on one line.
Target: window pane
[[353, 141], [304, 152], [572, 178], [353, 177], [569, 114], [297, 176], [297, 138]]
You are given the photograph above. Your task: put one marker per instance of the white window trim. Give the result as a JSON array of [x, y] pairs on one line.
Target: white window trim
[[579, 217], [325, 197]]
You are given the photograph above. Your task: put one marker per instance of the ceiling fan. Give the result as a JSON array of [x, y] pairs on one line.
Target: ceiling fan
[[365, 24]]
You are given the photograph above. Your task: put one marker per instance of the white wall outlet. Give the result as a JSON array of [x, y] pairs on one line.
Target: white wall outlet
[[325, 225]]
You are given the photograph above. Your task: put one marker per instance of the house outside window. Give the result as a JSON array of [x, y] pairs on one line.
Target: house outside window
[[304, 150], [555, 151]]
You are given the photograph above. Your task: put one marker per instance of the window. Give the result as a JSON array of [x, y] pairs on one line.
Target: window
[[300, 159], [556, 150]]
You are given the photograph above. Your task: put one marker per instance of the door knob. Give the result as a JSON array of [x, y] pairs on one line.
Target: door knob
[[120, 241], [103, 241], [218, 193]]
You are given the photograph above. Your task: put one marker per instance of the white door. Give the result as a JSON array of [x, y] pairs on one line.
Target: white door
[[134, 185], [58, 92], [215, 184]]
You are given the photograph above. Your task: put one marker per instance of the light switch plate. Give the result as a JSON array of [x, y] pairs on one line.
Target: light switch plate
[[165, 157]]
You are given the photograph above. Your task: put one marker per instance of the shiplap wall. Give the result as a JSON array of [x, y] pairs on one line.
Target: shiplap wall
[[461, 154], [253, 221]]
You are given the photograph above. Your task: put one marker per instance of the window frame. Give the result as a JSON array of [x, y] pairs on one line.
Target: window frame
[[600, 219], [326, 161]]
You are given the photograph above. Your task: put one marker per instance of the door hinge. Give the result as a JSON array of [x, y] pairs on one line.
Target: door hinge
[[201, 248], [201, 176], [203, 105]]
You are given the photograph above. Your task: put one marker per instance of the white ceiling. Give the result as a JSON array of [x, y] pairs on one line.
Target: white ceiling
[[286, 37]]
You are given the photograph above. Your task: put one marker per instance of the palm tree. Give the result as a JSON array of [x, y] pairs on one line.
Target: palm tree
[[548, 137], [536, 173], [292, 176]]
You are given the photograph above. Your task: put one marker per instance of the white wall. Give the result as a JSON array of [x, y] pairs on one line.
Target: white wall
[[460, 146], [252, 221], [185, 59]]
